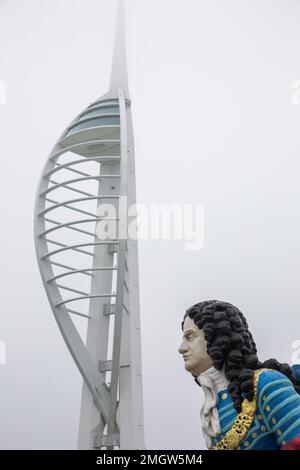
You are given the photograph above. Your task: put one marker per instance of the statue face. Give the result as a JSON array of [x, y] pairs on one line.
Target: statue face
[[194, 348]]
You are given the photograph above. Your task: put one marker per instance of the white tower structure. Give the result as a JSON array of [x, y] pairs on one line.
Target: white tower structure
[[91, 281]]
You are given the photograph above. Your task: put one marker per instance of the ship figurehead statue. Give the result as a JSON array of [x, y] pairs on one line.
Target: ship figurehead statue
[[248, 404]]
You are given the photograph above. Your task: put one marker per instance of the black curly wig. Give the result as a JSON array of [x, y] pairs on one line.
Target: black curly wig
[[231, 345]]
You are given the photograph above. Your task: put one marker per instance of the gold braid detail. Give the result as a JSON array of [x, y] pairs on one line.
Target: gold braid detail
[[243, 421]]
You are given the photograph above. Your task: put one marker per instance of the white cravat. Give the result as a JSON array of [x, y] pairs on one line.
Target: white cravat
[[212, 381]]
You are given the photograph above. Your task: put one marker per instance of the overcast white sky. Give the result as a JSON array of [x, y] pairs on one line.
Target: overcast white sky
[[214, 123]]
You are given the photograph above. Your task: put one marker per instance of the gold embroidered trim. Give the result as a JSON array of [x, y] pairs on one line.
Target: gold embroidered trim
[[243, 421]]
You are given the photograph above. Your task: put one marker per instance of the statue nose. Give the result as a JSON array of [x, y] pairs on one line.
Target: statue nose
[[182, 348]]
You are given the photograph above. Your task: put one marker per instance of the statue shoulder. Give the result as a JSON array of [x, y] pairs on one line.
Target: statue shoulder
[[270, 380]]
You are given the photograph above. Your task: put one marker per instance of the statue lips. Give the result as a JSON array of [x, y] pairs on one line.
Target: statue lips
[[185, 357]]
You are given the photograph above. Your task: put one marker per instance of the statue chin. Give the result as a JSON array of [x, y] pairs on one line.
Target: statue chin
[[197, 369]]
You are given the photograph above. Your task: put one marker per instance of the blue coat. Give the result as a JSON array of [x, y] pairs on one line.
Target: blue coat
[[276, 421]]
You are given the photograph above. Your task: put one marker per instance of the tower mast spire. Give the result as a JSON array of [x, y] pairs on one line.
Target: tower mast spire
[[119, 75]]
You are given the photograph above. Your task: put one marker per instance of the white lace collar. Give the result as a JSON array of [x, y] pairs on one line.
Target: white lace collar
[[212, 381]]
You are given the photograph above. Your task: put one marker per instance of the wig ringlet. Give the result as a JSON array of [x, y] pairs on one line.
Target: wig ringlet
[[231, 346]]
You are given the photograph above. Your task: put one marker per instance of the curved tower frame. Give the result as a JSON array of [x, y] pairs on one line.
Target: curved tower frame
[[92, 281]]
